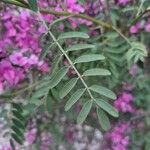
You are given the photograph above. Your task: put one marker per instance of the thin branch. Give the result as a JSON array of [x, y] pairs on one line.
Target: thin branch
[[122, 35], [16, 3]]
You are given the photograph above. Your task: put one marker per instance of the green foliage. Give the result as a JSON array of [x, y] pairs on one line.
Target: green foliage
[[103, 119], [136, 52], [18, 123], [89, 58], [103, 91], [56, 78], [68, 87], [84, 111], [33, 5], [74, 98], [97, 72], [45, 51], [107, 107]]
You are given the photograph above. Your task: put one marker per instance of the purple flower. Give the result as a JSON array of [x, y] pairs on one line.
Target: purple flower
[[10, 74], [33, 59], [31, 136], [124, 103], [117, 137], [147, 27], [119, 147], [123, 2], [5, 147], [18, 59], [135, 28]]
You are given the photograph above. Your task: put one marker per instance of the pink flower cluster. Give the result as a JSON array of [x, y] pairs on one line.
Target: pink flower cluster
[[20, 34], [71, 6], [118, 136], [124, 103], [30, 136], [123, 2], [9, 74], [46, 140], [20, 59], [5, 147], [138, 26]]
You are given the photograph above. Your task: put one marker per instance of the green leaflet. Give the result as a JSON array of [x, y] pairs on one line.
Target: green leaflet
[[107, 107], [33, 5], [18, 123], [43, 84], [138, 45], [58, 76], [89, 58], [59, 20], [45, 50], [68, 87], [18, 115], [17, 131], [68, 35], [82, 1], [97, 72], [48, 103], [103, 91], [80, 47], [16, 138], [84, 112], [103, 119], [112, 35], [55, 64], [74, 98], [40, 92], [136, 52], [55, 94], [17, 107]]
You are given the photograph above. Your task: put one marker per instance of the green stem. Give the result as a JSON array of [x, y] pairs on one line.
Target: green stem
[[16, 3], [83, 16]]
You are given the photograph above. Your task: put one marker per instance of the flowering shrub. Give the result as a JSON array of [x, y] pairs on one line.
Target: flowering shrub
[[76, 56]]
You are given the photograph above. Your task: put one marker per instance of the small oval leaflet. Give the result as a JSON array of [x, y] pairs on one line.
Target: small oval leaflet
[[84, 112], [103, 91], [89, 58], [107, 107], [68, 35], [103, 119], [80, 47], [16, 138], [58, 76], [74, 98], [97, 72], [68, 87]]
